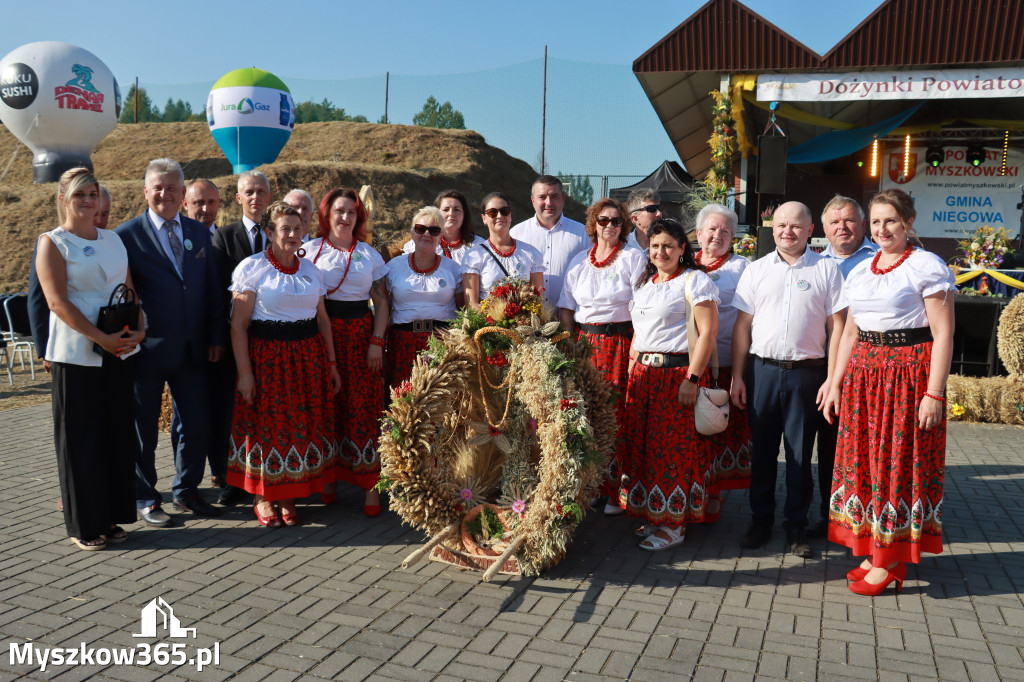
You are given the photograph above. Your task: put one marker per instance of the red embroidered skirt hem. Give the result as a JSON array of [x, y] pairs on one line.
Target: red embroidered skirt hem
[[282, 444], [887, 483]]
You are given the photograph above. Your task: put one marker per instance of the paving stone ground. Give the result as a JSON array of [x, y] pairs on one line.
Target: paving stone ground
[[329, 599]]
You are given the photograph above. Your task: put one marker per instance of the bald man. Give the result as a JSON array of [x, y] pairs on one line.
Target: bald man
[[791, 312], [202, 202]]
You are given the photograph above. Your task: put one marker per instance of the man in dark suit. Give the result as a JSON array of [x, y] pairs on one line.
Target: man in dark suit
[[172, 265], [232, 244]]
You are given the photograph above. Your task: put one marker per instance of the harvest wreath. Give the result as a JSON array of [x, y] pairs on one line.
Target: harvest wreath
[[499, 440]]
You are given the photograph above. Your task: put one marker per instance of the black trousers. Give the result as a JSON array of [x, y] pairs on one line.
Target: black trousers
[[781, 405], [94, 435], [222, 377]]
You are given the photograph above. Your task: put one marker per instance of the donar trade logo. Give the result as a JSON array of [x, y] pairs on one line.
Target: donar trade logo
[[79, 92]]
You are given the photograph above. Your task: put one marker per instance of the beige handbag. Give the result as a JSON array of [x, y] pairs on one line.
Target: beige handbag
[[711, 413]]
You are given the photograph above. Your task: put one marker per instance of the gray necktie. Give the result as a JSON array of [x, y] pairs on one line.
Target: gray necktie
[[176, 249]]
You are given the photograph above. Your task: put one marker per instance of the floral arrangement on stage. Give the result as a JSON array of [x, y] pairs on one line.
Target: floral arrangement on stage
[[988, 247], [499, 440], [767, 215], [745, 246], [716, 186]]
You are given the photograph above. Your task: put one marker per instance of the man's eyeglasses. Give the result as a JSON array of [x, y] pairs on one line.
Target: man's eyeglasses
[[603, 221], [650, 208], [492, 213], [434, 230]]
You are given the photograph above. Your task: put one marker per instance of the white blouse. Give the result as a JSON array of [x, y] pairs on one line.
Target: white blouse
[[367, 267], [895, 300], [94, 269], [458, 253], [659, 312], [600, 295], [726, 278], [422, 297], [279, 297], [521, 264]]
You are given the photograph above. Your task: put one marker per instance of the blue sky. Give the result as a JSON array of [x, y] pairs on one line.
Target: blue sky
[[485, 57]]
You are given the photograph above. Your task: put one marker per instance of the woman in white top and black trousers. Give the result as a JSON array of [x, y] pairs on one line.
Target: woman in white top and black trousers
[[425, 289], [457, 234], [668, 473], [889, 389], [354, 275], [79, 267], [499, 256], [595, 298], [283, 429]]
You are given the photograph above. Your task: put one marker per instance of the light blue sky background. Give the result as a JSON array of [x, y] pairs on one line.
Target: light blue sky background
[[485, 57]]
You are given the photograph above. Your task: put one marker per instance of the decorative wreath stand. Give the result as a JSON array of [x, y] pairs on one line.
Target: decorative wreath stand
[[500, 438]]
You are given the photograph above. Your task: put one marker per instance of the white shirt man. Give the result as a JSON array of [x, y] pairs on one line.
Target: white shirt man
[[557, 238], [790, 316], [301, 201], [843, 222]]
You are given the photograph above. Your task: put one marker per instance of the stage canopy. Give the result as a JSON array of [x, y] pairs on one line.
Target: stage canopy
[[726, 42], [672, 184]]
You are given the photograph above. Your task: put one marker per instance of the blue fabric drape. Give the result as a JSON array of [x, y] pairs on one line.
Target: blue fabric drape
[[838, 143]]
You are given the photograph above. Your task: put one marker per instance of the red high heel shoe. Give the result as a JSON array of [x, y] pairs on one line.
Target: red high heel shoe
[[268, 521], [897, 573], [290, 516], [855, 574], [712, 517]]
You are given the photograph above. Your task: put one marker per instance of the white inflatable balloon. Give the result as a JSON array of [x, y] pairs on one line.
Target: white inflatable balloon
[[61, 101]]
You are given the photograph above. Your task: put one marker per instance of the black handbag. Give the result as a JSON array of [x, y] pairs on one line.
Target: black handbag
[[122, 310]]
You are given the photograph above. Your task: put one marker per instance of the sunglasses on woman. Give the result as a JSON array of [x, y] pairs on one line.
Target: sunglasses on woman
[[492, 213], [434, 230], [603, 221]]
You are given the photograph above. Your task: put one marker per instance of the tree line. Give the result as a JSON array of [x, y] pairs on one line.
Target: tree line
[[433, 114]]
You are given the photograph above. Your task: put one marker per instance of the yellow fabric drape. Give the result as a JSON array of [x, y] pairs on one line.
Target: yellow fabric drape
[[968, 275], [739, 84]]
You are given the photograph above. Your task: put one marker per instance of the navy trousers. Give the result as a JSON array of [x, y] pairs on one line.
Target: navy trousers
[[781, 405], [222, 379], [190, 394], [828, 434]]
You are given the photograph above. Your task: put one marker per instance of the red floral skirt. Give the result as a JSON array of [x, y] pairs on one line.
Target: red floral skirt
[[403, 345], [669, 468], [282, 445], [731, 449], [886, 499], [359, 404], [611, 358]]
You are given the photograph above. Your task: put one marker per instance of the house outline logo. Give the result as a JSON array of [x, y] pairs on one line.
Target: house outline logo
[[153, 613]]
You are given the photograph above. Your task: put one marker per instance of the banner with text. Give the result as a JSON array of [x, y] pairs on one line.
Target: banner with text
[[874, 85], [955, 197]]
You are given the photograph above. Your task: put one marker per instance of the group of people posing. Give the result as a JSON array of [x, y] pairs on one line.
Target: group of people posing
[[850, 347]]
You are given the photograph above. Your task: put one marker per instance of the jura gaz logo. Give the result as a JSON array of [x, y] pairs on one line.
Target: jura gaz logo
[[159, 614], [245, 106]]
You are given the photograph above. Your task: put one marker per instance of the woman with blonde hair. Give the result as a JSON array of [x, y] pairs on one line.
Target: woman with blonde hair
[[79, 268], [424, 288]]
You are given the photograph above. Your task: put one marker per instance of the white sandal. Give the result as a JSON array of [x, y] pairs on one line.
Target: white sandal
[[654, 543], [646, 530], [613, 510]]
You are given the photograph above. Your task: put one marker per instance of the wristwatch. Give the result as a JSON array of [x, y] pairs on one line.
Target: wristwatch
[[693, 379]]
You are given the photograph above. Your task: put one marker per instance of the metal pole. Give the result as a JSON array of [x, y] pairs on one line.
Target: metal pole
[[135, 116], [387, 86], [544, 111]]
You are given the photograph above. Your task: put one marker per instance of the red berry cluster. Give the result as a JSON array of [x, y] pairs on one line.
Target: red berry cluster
[[568, 404], [498, 359]]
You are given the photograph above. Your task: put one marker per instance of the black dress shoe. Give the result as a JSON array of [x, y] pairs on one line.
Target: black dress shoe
[[231, 496], [757, 536], [818, 529], [798, 544], [155, 516], [196, 505]]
